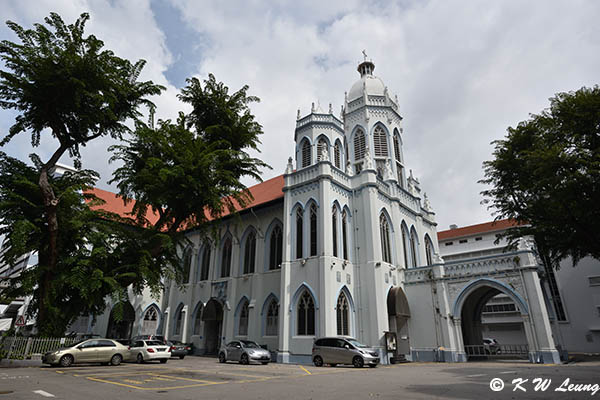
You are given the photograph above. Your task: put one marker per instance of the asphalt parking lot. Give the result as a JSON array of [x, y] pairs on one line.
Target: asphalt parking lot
[[198, 377]]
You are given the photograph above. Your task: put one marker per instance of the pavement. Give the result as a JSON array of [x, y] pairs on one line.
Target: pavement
[[205, 378]]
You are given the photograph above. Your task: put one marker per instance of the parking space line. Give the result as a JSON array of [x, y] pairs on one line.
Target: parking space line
[[305, 370], [43, 393], [154, 388]]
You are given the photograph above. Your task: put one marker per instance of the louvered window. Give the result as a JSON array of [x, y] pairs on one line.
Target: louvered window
[[344, 235], [306, 154], [338, 155], [334, 230], [397, 148], [359, 145], [313, 230], [299, 231], [380, 142], [384, 230]]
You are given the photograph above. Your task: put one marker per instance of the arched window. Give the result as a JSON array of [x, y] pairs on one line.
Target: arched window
[[197, 320], [306, 153], [337, 155], [243, 323], [313, 230], [187, 264], [179, 320], [405, 246], [428, 250], [322, 151], [384, 231], [380, 142], [205, 266], [226, 258], [276, 248], [150, 321], [359, 145], [342, 313], [250, 253], [399, 167], [334, 230], [299, 233], [306, 314], [413, 248], [345, 234], [272, 326]]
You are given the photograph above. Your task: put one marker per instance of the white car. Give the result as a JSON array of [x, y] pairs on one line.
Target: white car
[[147, 350]]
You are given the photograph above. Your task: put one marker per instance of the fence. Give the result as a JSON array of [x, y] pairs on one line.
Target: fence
[[22, 348], [514, 351]]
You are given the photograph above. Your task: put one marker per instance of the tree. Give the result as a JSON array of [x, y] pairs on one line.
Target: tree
[[546, 175], [66, 85], [189, 171]]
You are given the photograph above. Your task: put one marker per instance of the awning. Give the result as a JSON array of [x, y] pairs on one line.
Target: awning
[[5, 324]]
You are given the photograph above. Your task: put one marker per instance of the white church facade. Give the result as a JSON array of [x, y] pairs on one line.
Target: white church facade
[[343, 243]]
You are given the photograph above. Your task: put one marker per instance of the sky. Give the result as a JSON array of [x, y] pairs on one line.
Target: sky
[[463, 71]]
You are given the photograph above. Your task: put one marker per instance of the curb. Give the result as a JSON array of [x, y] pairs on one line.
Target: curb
[[20, 363]]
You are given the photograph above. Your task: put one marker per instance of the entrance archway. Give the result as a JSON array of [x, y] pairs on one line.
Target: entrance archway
[[398, 316], [213, 322], [120, 323], [472, 302]]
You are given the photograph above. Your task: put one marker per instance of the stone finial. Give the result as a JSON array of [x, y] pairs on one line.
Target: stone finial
[[290, 166], [312, 107], [298, 115], [349, 168], [396, 99], [330, 109], [426, 204], [342, 113]]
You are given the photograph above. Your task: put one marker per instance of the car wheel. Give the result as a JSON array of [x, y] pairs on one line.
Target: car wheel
[[222, 358], [116, 360], [181, 357], [163, 361], [140, 358], [264, 362], [318, 361], [358, 362], [244, 359], [66, 361]]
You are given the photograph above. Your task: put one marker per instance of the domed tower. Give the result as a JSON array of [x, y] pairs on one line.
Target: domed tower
[[372, 126]]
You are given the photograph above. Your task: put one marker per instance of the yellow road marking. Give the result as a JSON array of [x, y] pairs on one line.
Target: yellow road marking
[[132, 381], [305, 370], [155, 388], [60, 372]]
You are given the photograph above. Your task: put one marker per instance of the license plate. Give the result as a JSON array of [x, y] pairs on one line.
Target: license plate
[[161, 349]]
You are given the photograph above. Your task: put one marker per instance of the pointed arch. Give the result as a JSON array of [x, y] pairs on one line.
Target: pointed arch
[[187, 264], [493, 283], [405, 243], [428, 249], [414, 247], [274, 245], [151, 318], [380, 142], [197, 316], [385, 236], [337, 154], [298, 218], [335, 217], [323, 145], [178, 320], [359, 141], [226, 255], [346, 230], [306, 152], [203, 263], [270, 315], [248, 251], [242, 312]]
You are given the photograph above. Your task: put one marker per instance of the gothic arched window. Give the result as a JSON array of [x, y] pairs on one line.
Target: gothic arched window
[[306, 314], [337, 155], [197, 320], [322, 150], [428, 250], [384, 232], [413, 247], [243, 322], [399, 167], [345, 234], [150, 321], [359, 145], [179, 320], [334, 230], [405, 246], [187, 264], [272, 325], [205, 263], [306, 153], [313, 230], [299, 232], [226, 258], [250, 253], [276, 248], [380, 142], [342, 313]]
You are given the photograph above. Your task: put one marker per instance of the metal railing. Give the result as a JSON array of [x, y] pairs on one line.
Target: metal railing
[[497, 351], [22, 348]]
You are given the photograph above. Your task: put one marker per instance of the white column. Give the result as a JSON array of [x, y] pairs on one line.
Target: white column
[[184, 336]]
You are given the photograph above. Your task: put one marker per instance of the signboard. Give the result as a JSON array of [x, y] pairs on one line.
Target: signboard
[[20, 321]]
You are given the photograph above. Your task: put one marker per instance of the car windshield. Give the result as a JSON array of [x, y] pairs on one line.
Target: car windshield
[[356, 343], [153, 343], [78, 343], [250, 345]]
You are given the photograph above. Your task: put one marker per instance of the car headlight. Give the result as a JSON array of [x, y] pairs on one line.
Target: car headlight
[[251, 352]]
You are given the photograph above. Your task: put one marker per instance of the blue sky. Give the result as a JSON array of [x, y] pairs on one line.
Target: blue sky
[[463, 70]]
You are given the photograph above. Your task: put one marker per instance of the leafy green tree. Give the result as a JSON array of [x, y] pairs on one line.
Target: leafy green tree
[[546, 175], [190, 170], [64, 84]]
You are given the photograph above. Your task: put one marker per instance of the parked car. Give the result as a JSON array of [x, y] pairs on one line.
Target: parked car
[[179, 349], [244, 351], [104, 351], [491, 346], [149, 337], [343, 350], [147, 350]]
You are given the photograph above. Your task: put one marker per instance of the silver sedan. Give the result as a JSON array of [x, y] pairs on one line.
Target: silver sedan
[[244, 351]]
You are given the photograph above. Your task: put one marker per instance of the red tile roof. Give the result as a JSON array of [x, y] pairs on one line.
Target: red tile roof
[[475, 229], [263, 193]]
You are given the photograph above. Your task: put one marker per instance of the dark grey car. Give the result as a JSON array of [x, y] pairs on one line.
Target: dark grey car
[[343, 350], [244, 351]]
